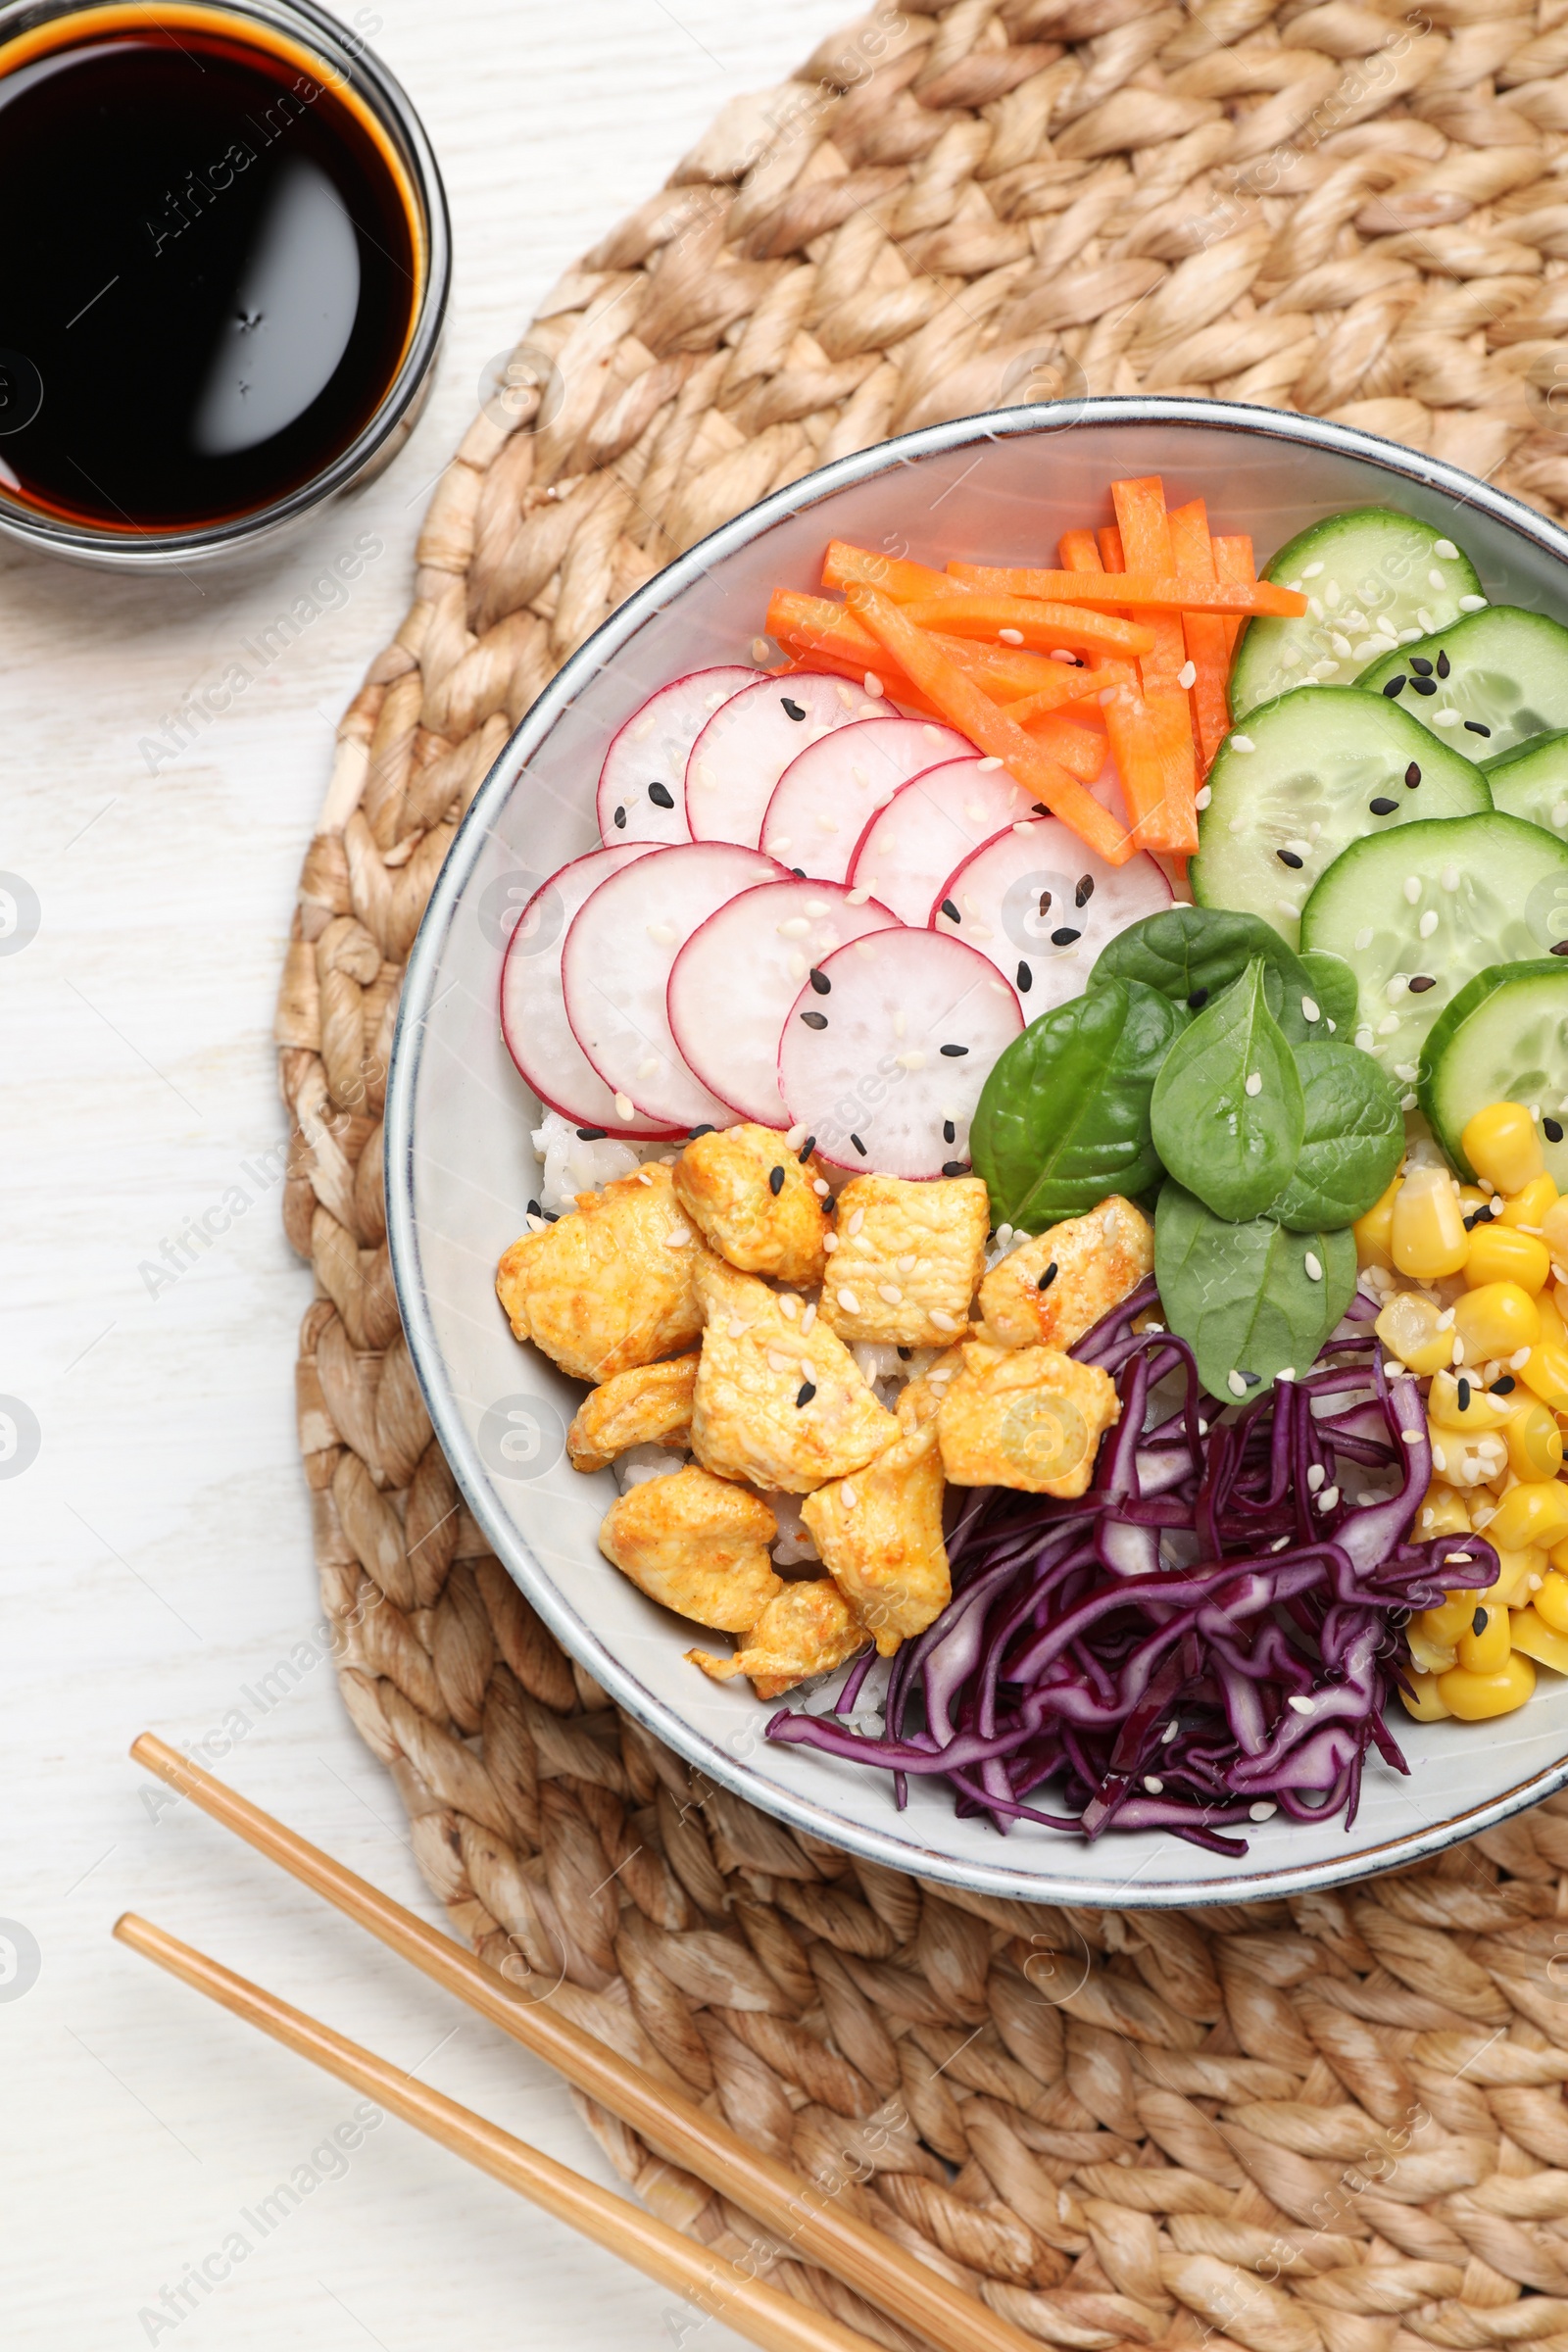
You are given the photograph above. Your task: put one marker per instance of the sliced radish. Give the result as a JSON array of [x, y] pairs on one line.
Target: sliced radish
[[746, 746], [822, 799], [1042, 907], [533, 1013], [886, 1067], [908, 849], [735, 980], [642, 784], [615, 966]]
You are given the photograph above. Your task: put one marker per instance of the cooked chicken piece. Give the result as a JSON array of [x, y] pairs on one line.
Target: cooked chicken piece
[[809, 1628], [751, 1196], [1054, 1289], [1026, 1417], [696, 1544], [650, 1405], [612, 1287], [779, 1401], [907, 1259], [880, 1532]]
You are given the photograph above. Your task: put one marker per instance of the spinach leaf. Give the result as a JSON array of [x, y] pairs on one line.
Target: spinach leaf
[[1242, 1296], [1188, 952], [1063, 1118], [1227, 1112], [1334, 992], [1352, 1143]]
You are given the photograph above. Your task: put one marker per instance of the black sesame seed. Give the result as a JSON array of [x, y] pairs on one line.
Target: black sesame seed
[[1198, 999], [533, 1208], [954, 1052], [1474, 726], [805, 1150], [661, 795], [592, 1135], [814, 1020], [1393, 686], [1421, 665], [906, 1353], [954, 1167], [1552, 1130], [1083, 891], [1291, 858], [1464, 1394], [1065, 937], [1040, 809], [799, 871], [858, 1145], [791, 709], [552, 1216], [820, 982], [775, 1181], [621, 821], [1026, 978], [1048, 1277], [804, 1392], [1251, 1379], [1382, 806], [1506, 1386], [1560, 947], [950, 912], [1412, 776], [1473, 1219], [1045, 904], [1425, 685], [949, 1133], [1421, 983], [1443, 666], [1477, 1623], [707, 1128]]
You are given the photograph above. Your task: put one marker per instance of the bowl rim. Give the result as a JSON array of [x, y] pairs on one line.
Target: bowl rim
[[871, 1843]]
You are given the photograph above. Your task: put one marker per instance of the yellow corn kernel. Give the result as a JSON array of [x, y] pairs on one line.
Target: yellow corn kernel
[[1554, 1231], [1426, 1237], [1534, 1512], [1485, 1648], [1545, 1373], [1548, 1306], [1443, 1512], [1424, 1700], [1372, 1231], [1517, 1571], [1502, 1145], [1474, 1698], [1497, 1254], [1450, 1621], [1533, 1440], [1468, 1461], [1531, 1633], [1497, 1320], [1408, 1329], [1431, 1656], [1530, 1205], [1557, 1553], [1551, 1602], [1457, 1400]]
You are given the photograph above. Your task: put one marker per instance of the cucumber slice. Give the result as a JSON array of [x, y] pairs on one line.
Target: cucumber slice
[[1504, 1039], [1493, 679], [1435, 903], [1532, 781], [1372, 576], [1306, 775]]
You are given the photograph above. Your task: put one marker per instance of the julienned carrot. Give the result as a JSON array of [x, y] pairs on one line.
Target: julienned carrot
[[895, 576], [1204, 632], [805, 623], [1084, 686], [1046, 627], [1077, 552], [1233, 562], [1151, 738], [1145, 529], [1128, 588], [962, 702], [1111, 555]]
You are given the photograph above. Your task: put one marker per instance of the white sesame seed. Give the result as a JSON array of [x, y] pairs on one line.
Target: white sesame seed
[[1285, 1372], [1413, 1437], [1408, 1101], [943, 1321], [932, 734], [891, 1292], [1458, 1352], [1450, 878], [1340, 645], [536, 1224], [1412, 890], [820, 1187], [855, 1221], [1010, 636], [1315, 1476], [1445, 717], [872, 684], [848, 1301], [1445, 1319], [1406, 1070], [1243, 743], [1288, 907], [1328, 1498], [1365, 1040], [1254, 1083], [737, 1329], [908, 1264], [1300, 1706], [830, 1242], [1388, 1024], [1314, 571], [808, 1318], [1263, 1810], [795, 1137], [1425, 618], [859, 895], [1445, 549], [1309, 1010], [678, 1239], [1168, 1734], [1236, 1384], [1202, 797], [1518, 1360], [1153, 1784], [847, 1494], [788, 1307], [643, 1176], [1363, 938], [1471, 604], [1186, 675], [625, 1108], [1435, 579]]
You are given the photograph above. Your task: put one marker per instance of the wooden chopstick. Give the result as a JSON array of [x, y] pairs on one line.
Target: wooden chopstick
[[805, 2216], [751, 2308]]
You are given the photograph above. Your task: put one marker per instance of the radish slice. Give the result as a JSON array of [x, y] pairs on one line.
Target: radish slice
[[642, 784], [736, 979], [534, 1014], [910, 847], [615, 966], [746, 747], [1042, 907], [822, 799], [885, 1068]]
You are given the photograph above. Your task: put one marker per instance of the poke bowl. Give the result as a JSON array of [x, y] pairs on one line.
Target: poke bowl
[[1154, 999]]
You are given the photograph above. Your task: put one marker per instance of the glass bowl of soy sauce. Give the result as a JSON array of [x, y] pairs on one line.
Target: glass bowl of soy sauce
[[223, 273]]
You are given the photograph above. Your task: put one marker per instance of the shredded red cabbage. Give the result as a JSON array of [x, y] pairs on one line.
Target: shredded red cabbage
[[1141, 1646]]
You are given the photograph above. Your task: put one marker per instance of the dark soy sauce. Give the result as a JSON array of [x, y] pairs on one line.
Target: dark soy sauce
[[210, 268]]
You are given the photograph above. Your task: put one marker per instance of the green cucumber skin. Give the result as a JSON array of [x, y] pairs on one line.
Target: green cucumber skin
[[1444, 1031], [1498, 634], [1409, 547], [1532, 780]]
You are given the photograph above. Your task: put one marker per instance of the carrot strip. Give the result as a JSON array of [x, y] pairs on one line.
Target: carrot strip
[[974, 714], [1075, 686], [1233, 561], [1226, 595], [893, 682], [805, 623], [1152, 740], [1204, 632], [1111, 555], [895, 576], [1145, 529], [1043, 626], [1077, 552]]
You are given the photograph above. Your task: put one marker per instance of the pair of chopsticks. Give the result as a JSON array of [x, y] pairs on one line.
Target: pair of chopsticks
[[806, 2217]]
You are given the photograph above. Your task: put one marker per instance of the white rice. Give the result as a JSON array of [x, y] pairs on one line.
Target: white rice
[[570, 1167], [639, 1463]]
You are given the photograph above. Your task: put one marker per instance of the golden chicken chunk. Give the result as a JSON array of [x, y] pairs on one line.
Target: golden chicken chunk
[[907, 1259], [1057, 1287], [697, 1545], [652, 1404], [880, 1532], [779, 1401], [1026, 1417], [751, 1196], [612, 1287], [809, 1628]]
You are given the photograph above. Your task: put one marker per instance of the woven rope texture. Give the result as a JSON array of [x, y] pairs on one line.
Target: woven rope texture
[[1335, 2125]]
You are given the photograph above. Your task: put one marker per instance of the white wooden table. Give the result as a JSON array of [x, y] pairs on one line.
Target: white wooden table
[[155, 1561]]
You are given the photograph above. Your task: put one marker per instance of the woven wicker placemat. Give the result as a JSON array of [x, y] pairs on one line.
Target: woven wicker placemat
[[1337, 2123]]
